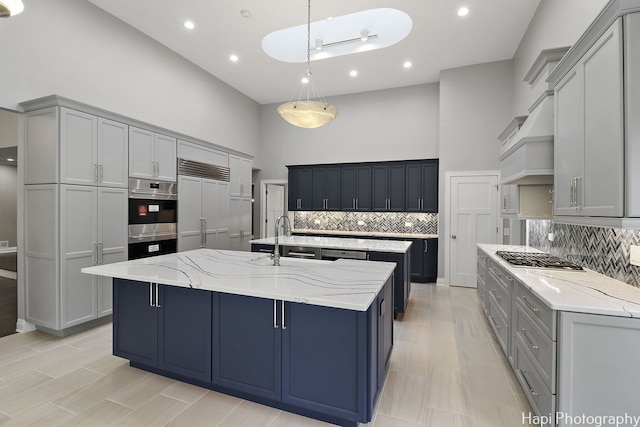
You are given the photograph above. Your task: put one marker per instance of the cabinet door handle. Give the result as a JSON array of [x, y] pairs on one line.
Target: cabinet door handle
[[356, 204], [101, 173], [578, 185], [524, 377], [100, 253], [426, 246], [495, 324], [95, 253], [531, 344], [532, 308], [95, 172], [353, 203], [157, 296], [151, 304], [275, 314], [284, 325]]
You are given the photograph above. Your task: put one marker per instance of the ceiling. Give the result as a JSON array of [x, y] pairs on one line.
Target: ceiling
[[439, 40]]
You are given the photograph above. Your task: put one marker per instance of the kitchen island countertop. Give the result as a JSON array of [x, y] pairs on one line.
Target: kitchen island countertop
[[575, 291], [347, 284]]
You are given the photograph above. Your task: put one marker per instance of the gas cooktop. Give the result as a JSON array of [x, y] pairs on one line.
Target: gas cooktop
[[537, 260]]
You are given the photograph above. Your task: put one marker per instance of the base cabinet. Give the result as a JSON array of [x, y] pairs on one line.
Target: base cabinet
[[401, 277], [163, 327], [322, 362]]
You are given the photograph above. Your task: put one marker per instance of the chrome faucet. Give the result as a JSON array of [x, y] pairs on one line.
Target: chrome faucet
[[275, 256]]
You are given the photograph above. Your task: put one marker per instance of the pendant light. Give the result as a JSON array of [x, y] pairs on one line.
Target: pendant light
[[10, 7], [307, 112]]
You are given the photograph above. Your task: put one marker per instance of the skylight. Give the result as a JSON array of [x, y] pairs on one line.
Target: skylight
[[343, 35]]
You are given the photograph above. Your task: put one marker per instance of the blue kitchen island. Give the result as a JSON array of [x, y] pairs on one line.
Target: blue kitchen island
[[309, 337]]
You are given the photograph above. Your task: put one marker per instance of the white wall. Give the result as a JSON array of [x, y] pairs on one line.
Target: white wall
[[9, 204], [555, 24], [394, 124], [73, 49], [475, 105]]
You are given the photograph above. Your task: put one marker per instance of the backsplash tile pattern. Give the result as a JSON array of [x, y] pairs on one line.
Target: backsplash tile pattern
[[605, 250], [381, 222]]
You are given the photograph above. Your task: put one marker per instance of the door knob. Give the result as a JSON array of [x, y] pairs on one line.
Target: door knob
[[453, 236]]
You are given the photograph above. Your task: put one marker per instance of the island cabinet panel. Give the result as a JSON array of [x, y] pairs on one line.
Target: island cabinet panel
[[401, 277], [163, 327], [324, 359], [246, 345]]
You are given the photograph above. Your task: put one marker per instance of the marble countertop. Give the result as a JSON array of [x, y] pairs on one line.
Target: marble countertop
[[347, 284], [369, 245], [577, 291], [368, 233]]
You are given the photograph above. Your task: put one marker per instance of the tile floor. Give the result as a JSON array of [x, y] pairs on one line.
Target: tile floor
[[446, 370]]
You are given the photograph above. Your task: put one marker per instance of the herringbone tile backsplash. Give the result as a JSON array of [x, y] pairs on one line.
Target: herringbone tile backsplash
[[605, 250], [380, 222]]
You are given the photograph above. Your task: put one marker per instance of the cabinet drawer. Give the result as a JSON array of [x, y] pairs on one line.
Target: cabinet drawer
[[498, 324], [544, 316], [541, 399], [501, 295], [540, 347]]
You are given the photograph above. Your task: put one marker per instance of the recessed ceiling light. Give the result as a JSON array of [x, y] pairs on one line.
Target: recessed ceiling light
[[11, 160], [364, 35], [407, 64], [329, 18], [233, 58], [189, 25], [463, 11], [353, 73], [246, 13], [305, 80]]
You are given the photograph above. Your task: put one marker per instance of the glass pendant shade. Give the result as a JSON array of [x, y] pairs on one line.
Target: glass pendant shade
[[308, 114], [10, 7]]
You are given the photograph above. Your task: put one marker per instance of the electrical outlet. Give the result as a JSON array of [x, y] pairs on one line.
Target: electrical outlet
[[551, 237], [316, 221], [408, 224], [360, 222], [4, 244], [635, 255], [506, 231]]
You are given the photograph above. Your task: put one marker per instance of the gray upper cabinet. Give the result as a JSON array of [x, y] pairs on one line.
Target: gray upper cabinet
[[151, 155], [91, 150], [597, 134], [589, 127]]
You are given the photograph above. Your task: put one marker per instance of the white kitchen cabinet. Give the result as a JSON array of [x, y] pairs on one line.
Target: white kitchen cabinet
[[240, 223], [509, 199], [92, 231], [203, 213], [240, 176], [151, 155], [589, 143], [72, 147]]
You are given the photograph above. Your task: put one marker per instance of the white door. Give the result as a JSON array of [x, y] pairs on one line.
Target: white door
[[473, 219], [189, 213], [274, 207]]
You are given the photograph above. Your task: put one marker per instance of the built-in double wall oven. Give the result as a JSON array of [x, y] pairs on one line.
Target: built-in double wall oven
[[152, 218]]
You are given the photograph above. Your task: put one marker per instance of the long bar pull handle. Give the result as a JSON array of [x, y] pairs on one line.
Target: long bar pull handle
[[151, 304], [100, 253], [95, 172], [100, 173], [578, 185], [95, 253], [275, 314], [354, 204], [284, 325], [157, 296], [524, 377], [426, 246]]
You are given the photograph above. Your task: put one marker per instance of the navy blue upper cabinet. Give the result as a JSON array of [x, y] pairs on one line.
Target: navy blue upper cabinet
[[164, 327], [388, 187], [356, 188], [246, 339], [422, 186], [325, 188], [300, 180]]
